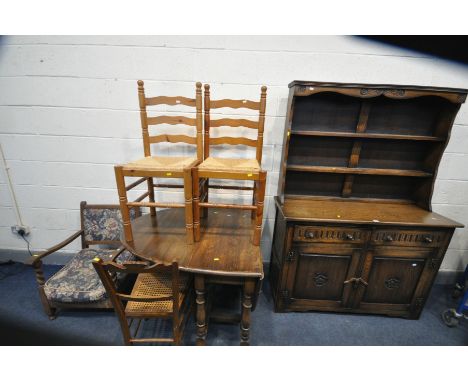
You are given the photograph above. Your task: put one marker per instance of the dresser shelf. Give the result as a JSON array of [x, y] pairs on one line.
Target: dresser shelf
[[368, 136], [357, 170]]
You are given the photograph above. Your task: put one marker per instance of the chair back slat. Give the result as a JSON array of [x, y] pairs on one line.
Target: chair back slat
[[173, 139], [172, 101], [234, 123], [235, 104], [233, 141], [171, 120], [259, 125]]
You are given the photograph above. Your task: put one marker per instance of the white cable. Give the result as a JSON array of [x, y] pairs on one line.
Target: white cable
[[10, 187]]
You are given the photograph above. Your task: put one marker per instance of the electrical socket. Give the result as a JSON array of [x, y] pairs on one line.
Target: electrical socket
[[22, 230]]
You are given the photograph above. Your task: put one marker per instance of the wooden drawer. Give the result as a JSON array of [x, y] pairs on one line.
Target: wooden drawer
[[322, 234], [412, 238]]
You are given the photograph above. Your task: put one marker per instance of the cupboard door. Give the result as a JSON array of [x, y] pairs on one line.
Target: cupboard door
[[317, 276], [395, 279]]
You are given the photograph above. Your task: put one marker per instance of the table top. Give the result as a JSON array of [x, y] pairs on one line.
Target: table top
[[225, 247], [362, 212]]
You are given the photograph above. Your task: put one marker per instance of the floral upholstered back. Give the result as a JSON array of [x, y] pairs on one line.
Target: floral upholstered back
[[103, 224]]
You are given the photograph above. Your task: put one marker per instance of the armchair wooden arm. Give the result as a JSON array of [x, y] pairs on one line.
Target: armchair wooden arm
[[33, 260]]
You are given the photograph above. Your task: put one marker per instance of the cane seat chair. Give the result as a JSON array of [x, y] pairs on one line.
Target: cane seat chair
[[151, 167], [160, 292], [231, 168], [76, 285]]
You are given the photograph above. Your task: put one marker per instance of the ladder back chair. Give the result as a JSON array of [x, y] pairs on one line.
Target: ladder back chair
[[151, 167], [231, 168], [160, 292]]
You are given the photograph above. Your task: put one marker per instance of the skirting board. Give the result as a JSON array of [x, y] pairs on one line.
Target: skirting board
[[444, 277]]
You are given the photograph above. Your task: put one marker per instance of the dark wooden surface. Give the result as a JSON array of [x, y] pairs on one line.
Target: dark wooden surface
[[225, 247], [225, 254], [362, 212]]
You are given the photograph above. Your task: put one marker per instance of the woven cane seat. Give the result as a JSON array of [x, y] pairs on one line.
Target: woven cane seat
[[161, 163], [155, 284], [230, 165]]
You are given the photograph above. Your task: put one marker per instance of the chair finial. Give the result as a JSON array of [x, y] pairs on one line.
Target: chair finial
[[198, 85]]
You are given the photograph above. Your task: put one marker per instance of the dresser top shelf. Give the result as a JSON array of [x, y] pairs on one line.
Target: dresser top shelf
[[377, 86], [374, 142], [362, 212]]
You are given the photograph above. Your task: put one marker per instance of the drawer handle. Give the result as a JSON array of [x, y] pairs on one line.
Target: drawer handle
[[428, 239], [388, 238], [349, 236], [309, 235]]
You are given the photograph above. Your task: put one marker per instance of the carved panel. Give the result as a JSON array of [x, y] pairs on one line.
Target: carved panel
[[392, 283], [320, 279], [394, 93], [371, 92], [329, 234], [408, 238]]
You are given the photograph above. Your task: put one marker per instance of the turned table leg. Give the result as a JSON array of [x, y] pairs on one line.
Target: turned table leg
[[201, 309], [249, 288]]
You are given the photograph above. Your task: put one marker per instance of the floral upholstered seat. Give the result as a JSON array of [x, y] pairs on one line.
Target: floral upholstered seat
[[77, 284], [77, 281]]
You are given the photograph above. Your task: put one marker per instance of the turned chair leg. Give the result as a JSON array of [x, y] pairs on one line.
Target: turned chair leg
[[196, 204], [51, 312], [151, 195], [247, 294], [126, 334], [120, 179], [254, 200], [188, 204], [259, 204], [204, 193], [201, 310]]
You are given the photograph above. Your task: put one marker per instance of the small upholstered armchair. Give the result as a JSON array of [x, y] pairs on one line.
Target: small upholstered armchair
[[77, 285]]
